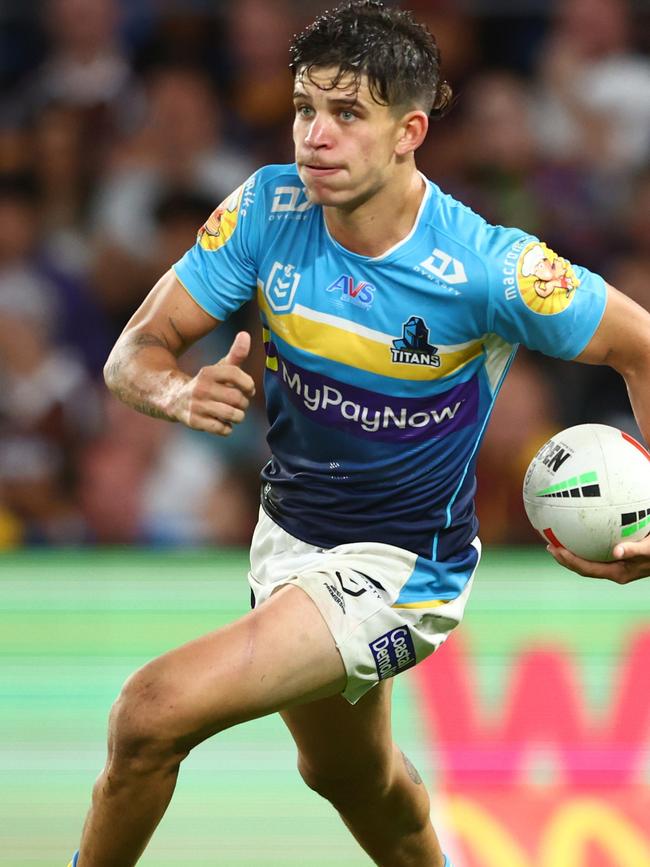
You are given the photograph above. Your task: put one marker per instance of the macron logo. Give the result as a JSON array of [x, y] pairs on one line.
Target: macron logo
[[444, 267]]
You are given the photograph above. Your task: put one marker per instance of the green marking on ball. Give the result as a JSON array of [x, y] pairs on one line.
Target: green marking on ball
[[575, 486]]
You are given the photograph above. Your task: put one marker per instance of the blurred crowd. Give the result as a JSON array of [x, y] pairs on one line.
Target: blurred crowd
[[123, 123]]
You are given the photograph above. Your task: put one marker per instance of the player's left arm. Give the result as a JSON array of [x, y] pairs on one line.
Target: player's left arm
[[622, 340]]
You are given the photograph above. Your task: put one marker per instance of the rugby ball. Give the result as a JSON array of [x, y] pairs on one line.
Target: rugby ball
[[588, 488]]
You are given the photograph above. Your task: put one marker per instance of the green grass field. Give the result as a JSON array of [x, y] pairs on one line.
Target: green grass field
[[74, 624]]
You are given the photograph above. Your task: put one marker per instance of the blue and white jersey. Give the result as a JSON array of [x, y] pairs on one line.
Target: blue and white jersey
[[381, 372]]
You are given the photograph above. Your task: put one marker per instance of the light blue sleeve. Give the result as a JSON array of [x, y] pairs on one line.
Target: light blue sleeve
[[538, 298], [220, 270]]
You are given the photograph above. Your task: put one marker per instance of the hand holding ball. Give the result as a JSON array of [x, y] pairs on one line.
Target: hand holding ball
[[588, 489]]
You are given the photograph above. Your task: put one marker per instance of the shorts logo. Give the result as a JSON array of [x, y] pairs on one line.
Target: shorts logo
[[393, 652], [280, 287], [353, 587], [336, 595], [444, 267], [413, 346], [546, 282], [361, 294], [221, 223]]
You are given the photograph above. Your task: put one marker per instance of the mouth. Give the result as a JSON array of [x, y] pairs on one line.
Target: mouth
[[319, 171]]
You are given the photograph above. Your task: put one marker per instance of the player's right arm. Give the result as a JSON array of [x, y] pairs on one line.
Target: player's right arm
[[142, 369]]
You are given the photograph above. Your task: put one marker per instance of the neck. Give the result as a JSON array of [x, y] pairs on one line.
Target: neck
[[382, 220]]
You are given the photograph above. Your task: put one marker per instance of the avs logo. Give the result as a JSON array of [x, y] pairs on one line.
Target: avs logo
[[289, 203], [393, 652], [360, 294], [413, 346], [443, 266], [280, 287]]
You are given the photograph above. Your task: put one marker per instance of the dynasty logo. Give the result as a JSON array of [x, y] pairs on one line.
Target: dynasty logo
[[413, 346]]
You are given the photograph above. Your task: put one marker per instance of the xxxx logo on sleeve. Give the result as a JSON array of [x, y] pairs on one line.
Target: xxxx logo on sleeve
[[546, 281], [221, 223]]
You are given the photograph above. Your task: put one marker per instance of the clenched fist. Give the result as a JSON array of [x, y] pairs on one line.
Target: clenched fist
[[218, 396]]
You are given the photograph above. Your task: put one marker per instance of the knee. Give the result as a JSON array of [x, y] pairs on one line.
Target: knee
[[145, 732], [373, 789], [344, 786]]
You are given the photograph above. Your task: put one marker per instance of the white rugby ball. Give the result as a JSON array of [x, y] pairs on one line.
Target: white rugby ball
[[588, 488]]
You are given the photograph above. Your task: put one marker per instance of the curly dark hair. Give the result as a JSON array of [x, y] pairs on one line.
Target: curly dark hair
[[398, 55]]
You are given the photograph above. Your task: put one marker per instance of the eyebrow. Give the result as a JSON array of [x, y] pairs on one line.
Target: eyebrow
[[348, 101]]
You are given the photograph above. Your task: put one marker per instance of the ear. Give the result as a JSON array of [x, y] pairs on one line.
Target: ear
[[411, 133]]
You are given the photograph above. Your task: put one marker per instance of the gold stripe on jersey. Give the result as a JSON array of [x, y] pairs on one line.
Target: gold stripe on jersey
[[337, 339], [430, 603], [271, 360]]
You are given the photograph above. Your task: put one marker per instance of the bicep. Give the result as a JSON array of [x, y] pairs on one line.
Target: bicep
[[622, 339], [170, 314]]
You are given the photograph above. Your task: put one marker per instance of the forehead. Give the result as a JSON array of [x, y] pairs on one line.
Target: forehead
[[321, 81]]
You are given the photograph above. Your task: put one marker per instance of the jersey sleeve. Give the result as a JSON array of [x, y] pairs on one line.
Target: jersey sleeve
[[220, 270], [538, 298]]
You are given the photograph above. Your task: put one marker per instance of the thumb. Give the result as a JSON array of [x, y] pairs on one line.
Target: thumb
[[625, 552], [238, 352]]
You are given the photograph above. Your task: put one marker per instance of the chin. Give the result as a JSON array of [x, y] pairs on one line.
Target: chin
[[321, 197], [328, 197]]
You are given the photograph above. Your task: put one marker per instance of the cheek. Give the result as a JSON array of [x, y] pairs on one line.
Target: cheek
[[370, 153], [378, 147]]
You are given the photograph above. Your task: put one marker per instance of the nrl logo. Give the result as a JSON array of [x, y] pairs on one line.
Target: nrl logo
[[280, 287]]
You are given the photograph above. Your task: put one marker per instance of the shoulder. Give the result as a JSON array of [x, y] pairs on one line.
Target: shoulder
[[274, 193], [277, 184], [470, 229], [484, 249]]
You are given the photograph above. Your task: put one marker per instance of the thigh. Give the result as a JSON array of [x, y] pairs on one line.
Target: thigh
[[338, 740], [280, 654]]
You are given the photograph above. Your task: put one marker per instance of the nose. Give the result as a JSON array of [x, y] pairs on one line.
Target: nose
[[318, 133]]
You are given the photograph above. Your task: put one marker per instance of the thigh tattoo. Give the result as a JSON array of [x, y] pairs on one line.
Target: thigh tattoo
[[411, 770]]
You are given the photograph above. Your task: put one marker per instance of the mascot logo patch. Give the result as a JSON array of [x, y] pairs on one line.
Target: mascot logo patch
[[546, 282], [221, 223]]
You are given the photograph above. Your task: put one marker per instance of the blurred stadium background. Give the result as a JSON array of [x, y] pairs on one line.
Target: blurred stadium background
[[122, 125]]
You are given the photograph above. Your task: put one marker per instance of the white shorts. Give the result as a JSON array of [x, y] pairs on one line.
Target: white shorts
[[356, 588]]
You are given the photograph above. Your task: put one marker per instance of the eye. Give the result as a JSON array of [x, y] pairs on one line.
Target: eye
[[347, 115], [304, 111]]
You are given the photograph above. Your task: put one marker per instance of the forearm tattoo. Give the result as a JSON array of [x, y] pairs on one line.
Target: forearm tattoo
[[129, 347], [130, 392]]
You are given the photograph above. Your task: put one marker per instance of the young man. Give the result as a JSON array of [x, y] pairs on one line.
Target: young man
[[390, 314]]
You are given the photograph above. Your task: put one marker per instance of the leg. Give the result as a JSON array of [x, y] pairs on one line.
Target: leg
[[347, 755], [280, 654]]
